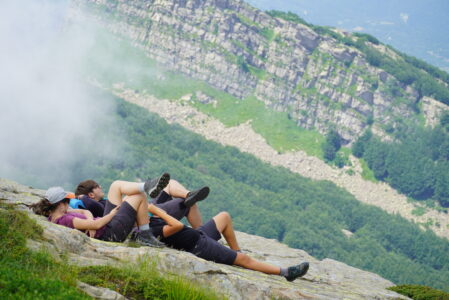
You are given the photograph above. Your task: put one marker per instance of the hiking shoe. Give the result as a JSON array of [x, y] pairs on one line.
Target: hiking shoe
[[146, 238], [297, 271], [195, 196], [154, 186]]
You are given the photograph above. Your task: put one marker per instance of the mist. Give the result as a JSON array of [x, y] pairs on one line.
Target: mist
[[48, 112]]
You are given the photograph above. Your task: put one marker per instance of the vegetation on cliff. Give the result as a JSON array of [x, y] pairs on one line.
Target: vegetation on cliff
[[27, 274]]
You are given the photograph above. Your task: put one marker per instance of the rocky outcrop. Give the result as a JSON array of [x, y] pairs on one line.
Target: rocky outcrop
[[243, 51], [326, 279]]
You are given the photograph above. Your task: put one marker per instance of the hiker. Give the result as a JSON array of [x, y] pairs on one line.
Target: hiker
[[203, 242], [120, 215], [175, 199]]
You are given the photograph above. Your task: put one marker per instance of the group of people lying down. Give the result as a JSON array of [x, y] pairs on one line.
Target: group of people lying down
[[155, 223]]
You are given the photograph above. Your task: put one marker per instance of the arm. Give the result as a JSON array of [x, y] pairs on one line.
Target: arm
[[172, 226], [90, 224]]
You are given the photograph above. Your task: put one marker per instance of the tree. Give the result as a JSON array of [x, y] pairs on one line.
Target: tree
[[358, 148], [331, 145]]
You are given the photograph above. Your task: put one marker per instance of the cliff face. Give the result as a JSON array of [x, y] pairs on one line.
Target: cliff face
[[326, 279], [243, 51]]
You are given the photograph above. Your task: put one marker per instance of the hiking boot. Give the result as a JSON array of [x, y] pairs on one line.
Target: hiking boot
[[146, 238], [154, 186], [297, 271], [195, 196]]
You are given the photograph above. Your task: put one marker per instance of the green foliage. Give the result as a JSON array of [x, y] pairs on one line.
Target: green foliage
[[302, 213], [331, 145], [419, 211], [25, 274], [367, 173], [143, 281], [264, 200], [30, 275], [417, 165], [419, 292], [358, 148], [288, 16], [279, 131]]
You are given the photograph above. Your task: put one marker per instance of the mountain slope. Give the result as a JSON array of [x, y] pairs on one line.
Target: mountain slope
[[317, 79]]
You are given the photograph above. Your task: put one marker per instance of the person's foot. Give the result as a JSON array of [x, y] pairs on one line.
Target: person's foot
[[195, 196], [146, 238], [297, 271], [154, 186]]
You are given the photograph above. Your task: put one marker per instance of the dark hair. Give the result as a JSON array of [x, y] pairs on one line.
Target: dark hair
[[85, 187], [44, 207]]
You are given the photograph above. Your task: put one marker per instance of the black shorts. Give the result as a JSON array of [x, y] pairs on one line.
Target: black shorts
[[208, 248], [122, 223]]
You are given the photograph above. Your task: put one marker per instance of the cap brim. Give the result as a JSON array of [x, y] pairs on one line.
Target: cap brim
[[70, 196]]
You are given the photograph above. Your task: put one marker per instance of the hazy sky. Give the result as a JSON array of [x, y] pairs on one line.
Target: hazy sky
[[46, 110]]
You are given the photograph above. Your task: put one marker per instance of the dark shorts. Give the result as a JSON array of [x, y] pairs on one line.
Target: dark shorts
[[210, 249], [122, 223], [173, 206]]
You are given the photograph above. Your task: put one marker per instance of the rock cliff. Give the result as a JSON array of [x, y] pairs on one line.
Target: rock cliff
[[326, 279], [243, 51]]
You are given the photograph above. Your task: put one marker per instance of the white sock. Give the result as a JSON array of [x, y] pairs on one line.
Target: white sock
[[141, 187], [144, 227]]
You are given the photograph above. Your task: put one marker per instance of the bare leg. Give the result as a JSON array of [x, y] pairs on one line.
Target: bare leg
[[140, 204], [119, 188], [176, 190], [248, 262], [194, 217], [223, 222]]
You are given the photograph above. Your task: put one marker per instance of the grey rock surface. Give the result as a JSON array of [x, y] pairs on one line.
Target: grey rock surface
[[326, 279]]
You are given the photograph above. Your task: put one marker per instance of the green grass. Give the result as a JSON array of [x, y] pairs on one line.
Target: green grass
[[31, 275], [143, 281], [420, 292], [367, 173], [113, 61], [26, 274], [419, 211], [280, 132]]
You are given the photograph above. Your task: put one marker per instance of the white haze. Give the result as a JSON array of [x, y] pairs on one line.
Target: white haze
[[46, 110]]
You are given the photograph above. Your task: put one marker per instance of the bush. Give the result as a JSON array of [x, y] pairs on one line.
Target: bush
[[420, 292]]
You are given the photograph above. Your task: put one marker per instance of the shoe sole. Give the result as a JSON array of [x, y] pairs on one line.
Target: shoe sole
[[142, 243], [201, 195], [162, 182]]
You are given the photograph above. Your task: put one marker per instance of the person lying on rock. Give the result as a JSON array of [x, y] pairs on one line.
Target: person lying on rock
[[175, 199], [120, 215], [203, 242]]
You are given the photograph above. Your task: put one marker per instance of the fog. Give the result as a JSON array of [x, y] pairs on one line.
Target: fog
[[47, 111]]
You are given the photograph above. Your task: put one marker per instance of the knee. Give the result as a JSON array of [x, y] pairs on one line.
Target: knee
[[224, 215], [242, 259]]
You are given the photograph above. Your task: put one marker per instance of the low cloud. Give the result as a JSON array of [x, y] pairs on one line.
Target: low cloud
[[47, 111]]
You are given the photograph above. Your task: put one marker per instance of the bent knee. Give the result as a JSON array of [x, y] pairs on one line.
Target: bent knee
[[224, 215]]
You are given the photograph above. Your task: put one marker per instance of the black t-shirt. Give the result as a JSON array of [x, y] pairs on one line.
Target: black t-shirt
[[185, 239], [95, 207]]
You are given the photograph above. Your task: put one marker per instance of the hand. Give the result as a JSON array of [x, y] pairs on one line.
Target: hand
[[114, 210], [92, 233]]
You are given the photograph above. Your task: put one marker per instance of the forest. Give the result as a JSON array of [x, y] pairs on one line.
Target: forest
[[264, 200], [416, 163]]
